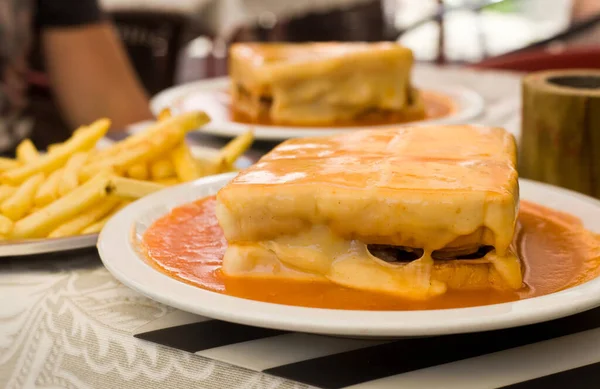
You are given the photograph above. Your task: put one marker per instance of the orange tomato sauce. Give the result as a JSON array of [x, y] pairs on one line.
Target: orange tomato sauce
[[437, 105], [188, 244]]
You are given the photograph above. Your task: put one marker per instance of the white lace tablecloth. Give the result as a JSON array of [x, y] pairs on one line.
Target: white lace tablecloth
[[65, 322]]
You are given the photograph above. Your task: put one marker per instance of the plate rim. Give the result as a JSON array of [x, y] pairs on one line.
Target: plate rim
[[118, 254], [473, 105], [22, 248]]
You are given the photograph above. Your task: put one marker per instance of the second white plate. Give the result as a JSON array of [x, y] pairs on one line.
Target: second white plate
[[209, 95], [118, 249]]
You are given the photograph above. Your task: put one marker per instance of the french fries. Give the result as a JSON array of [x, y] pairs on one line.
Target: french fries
[[74, 188], [52, 147], [139, 171], [19, 204], [5, 192], [164, 114], [127, 188], [48, 190], [173, 128], [6, 225], [235, 148], [82, 141], [94, 228], [88, 217], [162, 169], [168, 181], [26, 152], [8, 164], [39, 224], [70, 176], [225, 160], [185, 166]]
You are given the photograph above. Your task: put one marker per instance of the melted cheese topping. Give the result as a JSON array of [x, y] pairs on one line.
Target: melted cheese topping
[[320, 83], [312, 204], [320, 254]]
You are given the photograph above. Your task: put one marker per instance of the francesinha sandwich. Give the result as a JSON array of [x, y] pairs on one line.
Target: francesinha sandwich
[[323, 83], [411, 211]]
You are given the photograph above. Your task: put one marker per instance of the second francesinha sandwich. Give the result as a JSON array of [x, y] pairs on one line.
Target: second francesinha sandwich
[[327, 83], [411, 212]]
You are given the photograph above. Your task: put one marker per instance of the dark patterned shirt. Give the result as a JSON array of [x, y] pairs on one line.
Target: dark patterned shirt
[[18, 21]]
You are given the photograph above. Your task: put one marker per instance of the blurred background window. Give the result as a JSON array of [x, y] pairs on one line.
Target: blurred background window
[[473, 32], [171, 42], [174, 42]]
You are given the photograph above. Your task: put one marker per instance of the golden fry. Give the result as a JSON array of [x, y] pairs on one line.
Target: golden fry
[[26, 152], [53, 147], [170, 181], [5, 192], [8, 164], [225, 161], [81, 221], [148, 145], [236, 148], [97, 226], [19, 204], [128, 188], [117, 164], [40, 223], [206, 167], [48, 190], [34, 209], [229, 169], [164, 114], [163, 168], [139, 171], [173, 128], [6, 225], [70, 176], [79, 130], [81, 141], [185, 165]]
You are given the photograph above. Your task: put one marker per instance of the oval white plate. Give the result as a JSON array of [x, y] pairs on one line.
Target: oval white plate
[[118, 241], [210, 96]]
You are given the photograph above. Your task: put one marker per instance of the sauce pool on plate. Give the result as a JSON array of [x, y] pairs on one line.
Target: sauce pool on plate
[[188, 244], [217, 103]]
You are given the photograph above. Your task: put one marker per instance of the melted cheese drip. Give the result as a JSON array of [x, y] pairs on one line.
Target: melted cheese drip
[[318, 254]]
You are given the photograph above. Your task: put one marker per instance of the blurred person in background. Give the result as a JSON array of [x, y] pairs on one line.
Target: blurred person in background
[[86, 65], [585, 8]]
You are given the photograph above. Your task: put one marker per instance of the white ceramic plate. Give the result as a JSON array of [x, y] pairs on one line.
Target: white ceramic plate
[[210, 96], [119, 239]]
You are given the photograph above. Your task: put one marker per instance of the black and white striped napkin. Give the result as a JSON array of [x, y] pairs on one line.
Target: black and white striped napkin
[[557, 354]]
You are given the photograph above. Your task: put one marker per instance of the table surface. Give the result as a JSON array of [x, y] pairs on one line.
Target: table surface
[[65, 322]]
